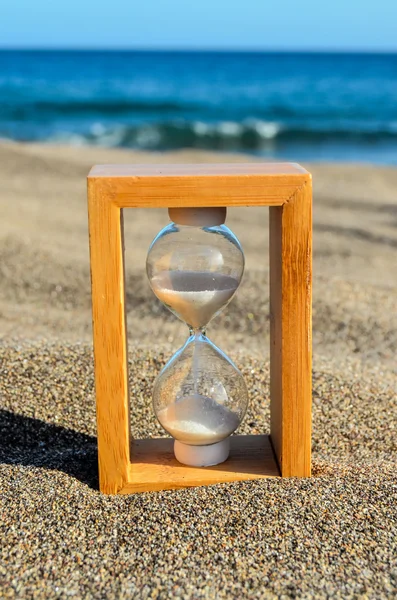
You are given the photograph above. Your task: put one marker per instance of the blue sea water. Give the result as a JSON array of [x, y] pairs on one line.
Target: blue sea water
[[307, 106]]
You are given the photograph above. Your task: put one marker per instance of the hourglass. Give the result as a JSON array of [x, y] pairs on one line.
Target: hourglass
[[195, 265]]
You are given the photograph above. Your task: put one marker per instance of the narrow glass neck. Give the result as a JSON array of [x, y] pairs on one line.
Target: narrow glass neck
[[197, 332]]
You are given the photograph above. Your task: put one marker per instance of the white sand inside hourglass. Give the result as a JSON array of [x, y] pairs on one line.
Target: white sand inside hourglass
[[194, 296], [198, 420]]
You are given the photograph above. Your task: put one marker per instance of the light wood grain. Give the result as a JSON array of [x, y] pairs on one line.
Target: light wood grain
[[287, 190], [154, 466], [172, 186], [291, 336], [110, 340]]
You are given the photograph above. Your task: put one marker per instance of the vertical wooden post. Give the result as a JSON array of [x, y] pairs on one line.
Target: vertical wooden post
[[110, 339], [290, 334]]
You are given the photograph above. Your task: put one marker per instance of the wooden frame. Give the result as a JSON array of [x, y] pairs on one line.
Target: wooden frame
[[127, 466]]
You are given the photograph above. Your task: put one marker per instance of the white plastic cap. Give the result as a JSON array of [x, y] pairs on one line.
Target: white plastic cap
[[198, 217], [202, 456]]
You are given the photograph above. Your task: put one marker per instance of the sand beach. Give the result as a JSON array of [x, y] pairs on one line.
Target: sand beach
[[331, 536]]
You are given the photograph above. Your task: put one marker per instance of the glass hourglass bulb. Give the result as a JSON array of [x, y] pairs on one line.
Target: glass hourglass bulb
[[195, 265]]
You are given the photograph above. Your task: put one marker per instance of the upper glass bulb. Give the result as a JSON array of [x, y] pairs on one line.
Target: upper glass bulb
[[195, 270]]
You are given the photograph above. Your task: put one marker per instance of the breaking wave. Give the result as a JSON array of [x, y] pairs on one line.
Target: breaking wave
[[249, 135]]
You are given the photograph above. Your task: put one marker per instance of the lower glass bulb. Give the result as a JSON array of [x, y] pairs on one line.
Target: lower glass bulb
[[200, 398]]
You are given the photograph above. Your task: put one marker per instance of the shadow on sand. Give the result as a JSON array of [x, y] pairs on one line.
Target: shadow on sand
[[30, 442]]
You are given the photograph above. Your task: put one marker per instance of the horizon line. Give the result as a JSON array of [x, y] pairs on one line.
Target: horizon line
[[196, 50]]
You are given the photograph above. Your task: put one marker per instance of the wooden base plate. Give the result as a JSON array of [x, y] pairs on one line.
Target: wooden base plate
[[155, 468]]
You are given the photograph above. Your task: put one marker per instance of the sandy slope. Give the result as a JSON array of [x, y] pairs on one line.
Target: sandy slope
[[44, 282]]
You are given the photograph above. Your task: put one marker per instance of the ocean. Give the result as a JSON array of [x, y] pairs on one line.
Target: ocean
[[294, 106]]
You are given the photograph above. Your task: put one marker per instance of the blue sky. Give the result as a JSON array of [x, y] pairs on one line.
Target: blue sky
[[204, 24]]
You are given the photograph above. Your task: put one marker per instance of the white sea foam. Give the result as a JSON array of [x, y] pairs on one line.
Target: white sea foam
[[265, 129], [230, 128]]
